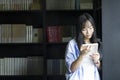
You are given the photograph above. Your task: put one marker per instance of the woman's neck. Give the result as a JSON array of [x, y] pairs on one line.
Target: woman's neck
[[87, 41]]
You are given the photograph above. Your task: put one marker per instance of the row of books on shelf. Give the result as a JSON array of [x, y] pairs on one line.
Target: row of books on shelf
[[50, 4], [31, 66], [20, 33], [21, 66], [68, 4], [20, 4], [56, 67], [60, 33]]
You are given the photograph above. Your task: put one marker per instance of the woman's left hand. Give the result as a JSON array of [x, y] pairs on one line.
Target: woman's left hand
[[95, 57]]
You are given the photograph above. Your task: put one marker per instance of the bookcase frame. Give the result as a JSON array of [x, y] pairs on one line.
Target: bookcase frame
[[42, 18]]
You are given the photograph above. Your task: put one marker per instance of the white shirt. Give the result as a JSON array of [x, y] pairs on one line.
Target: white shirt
[[86, 70]]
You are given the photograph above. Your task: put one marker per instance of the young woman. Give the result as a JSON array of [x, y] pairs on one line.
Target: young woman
[[79, 67]]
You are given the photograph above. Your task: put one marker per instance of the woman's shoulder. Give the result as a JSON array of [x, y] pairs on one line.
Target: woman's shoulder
[[72, 41], [71, 45]]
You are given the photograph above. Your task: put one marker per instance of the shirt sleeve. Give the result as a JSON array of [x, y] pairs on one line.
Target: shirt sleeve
[[70, 55]]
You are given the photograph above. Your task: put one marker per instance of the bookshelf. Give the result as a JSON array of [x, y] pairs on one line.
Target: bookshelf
[[26, 37]]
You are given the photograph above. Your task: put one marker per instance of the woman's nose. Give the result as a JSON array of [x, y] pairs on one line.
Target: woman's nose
[[88, 31]]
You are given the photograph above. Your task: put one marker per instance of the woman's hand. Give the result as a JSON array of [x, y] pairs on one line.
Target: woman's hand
[[84, 50], [95, 57]]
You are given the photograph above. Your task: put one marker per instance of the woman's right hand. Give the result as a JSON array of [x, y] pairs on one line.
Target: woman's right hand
[[84, 49]]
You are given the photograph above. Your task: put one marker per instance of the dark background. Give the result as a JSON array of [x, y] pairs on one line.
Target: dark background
[[111, 39]]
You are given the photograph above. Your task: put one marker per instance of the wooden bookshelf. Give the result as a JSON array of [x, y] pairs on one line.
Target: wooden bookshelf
[[16, 17], [64, 17], [43, 15], [21, 49], [22, 77]]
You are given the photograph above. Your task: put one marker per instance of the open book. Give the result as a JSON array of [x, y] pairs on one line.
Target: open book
[[93, 50], [93, 47]]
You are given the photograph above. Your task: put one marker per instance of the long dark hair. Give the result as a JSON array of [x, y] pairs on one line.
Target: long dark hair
[[81, 22]]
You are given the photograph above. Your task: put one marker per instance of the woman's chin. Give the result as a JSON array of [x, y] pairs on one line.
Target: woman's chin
[[88, 37]]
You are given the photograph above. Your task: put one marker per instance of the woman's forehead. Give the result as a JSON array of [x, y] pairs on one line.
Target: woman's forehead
[[87, 24]]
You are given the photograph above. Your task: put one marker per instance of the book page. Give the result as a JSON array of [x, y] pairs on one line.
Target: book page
[[93, 48]]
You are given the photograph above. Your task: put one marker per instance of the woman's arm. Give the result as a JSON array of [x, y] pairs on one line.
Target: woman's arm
[[84, 50], [76, 63]]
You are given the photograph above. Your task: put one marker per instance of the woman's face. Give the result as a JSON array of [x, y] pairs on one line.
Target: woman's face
[[87, 30]]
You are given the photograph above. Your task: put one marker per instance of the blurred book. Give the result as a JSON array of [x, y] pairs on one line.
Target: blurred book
[[37, 35], [54, 33], [60, 4], [86, 4], [18, 33], [36, 5]]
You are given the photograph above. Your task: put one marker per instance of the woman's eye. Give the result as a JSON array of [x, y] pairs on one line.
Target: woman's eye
[[83, 30], [90, 28]]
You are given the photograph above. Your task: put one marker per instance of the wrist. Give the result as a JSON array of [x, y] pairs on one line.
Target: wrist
[[97, 62]]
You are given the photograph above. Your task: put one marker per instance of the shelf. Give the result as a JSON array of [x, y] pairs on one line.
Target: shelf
[[56, 77], [21, 78], [64, 17], [21, 49], [21, 17], [56, 43], [41, 18], [56, 50]]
